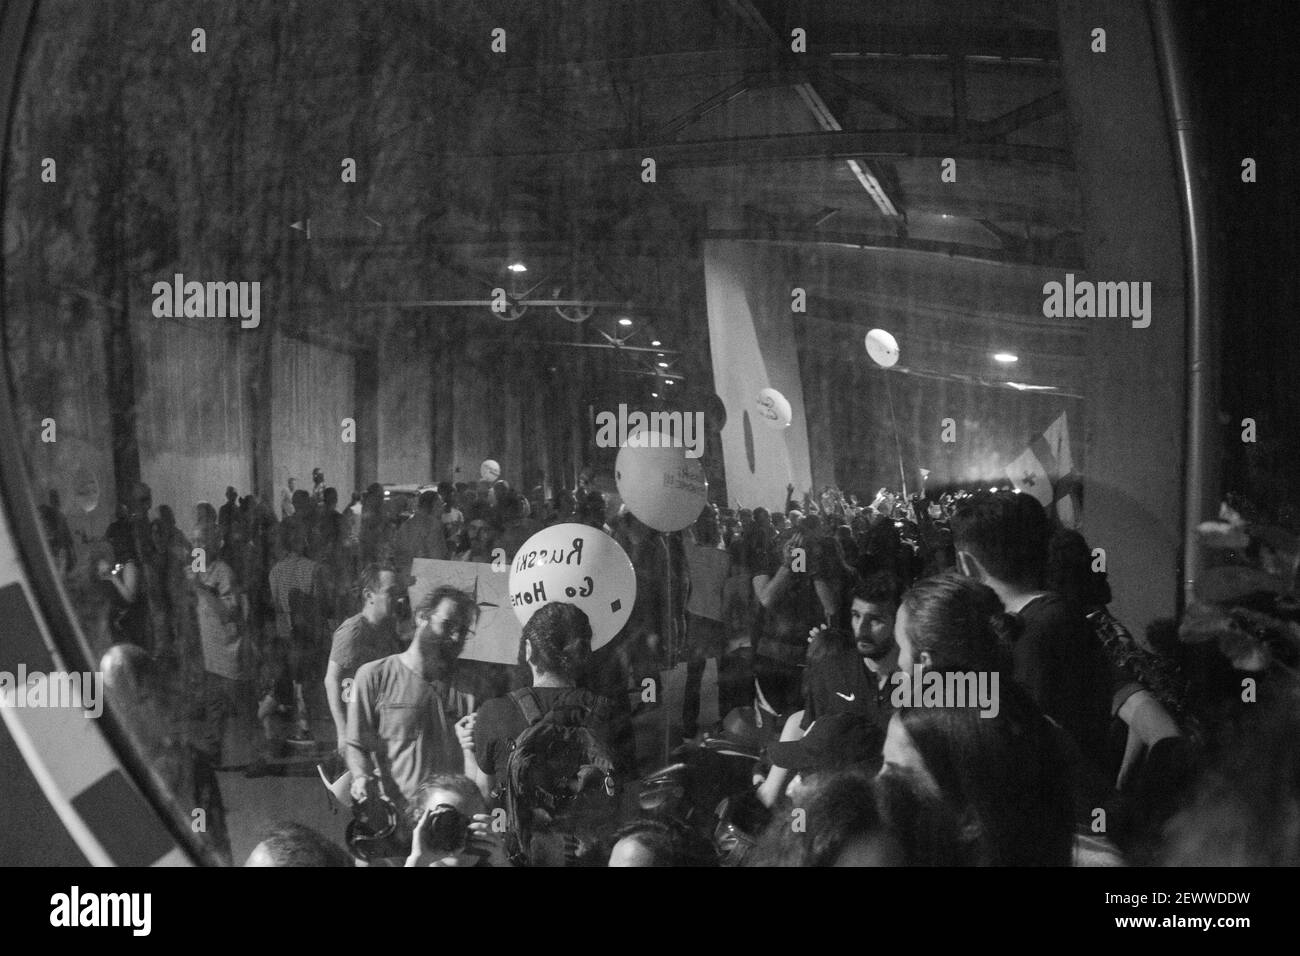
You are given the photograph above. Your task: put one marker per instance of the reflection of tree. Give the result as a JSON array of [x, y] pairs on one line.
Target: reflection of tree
[[175, 161]]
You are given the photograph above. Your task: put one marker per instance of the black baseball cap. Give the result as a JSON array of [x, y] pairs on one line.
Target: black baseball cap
[[833, 742]]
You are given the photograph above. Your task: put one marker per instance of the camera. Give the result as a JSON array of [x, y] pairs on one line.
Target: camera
[[448, 829]]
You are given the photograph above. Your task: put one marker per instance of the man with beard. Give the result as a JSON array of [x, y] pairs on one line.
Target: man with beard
[[402, 717], [850, 672]]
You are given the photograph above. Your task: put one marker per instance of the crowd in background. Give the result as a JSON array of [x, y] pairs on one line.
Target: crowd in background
[[1106, 747]]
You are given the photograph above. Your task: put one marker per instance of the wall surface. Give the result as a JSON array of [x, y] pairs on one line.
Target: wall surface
[[1136, 400]]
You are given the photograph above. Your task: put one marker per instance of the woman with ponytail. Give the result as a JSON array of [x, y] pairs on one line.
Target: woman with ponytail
[[1013, 779], [950, 622], [556, 646]]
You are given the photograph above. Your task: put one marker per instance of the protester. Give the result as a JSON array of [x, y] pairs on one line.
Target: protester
[[404, 709], [1001, 539], [369, 635], [556, 647], [303, 597]]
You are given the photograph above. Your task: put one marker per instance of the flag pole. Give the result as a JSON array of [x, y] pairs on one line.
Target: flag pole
[[897, 446]]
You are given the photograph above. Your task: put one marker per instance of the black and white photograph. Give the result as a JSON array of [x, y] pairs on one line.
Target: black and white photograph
[[651, 433]]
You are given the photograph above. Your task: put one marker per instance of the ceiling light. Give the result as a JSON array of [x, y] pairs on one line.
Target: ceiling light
[[625, 321], [517, 267], [656, 343], [1005, 357], [654, 394], [668, 381], [663, 364]]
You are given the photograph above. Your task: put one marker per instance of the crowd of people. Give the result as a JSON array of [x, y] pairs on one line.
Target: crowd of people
[[1103, 748]]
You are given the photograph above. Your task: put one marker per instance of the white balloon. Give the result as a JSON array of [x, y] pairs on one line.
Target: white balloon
[[489, 470], [575, 564], [659, 484], [883, 348], [774, 408]]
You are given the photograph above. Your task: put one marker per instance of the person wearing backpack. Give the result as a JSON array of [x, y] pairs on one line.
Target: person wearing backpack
[[543, 752]]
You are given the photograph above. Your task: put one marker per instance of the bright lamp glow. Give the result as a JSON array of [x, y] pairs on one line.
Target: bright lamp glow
[[517, 267], [656, 343], [1005, 357], [625, 322], [663, 364]]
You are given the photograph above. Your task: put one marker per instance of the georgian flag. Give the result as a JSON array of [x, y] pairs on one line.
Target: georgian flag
[[1030, 477], [1046, 470]]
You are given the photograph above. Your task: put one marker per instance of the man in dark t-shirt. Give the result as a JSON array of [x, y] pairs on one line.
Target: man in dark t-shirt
[[850, 672], [1001, 539], [1059, 660]]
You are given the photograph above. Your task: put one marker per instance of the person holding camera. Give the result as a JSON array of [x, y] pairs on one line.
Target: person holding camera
[[797, 588], [451, 826]]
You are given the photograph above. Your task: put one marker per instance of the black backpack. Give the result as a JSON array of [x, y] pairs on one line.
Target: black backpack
[[559, 790]]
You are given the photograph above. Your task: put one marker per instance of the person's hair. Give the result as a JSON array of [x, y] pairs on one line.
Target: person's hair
[[456, 783], [203, 511], [331, 494], [880, 587], [960, 622], [465, 611], [706, 528], [301, 498], [1006, 532], [560, 635], [511, 506], [428, 500], [480, 511], [368, 579], [592, 508], [1070, 574], [668, 842], [840, 810], [292, 844], [1004, 777], [293, 536], [926, 828]]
